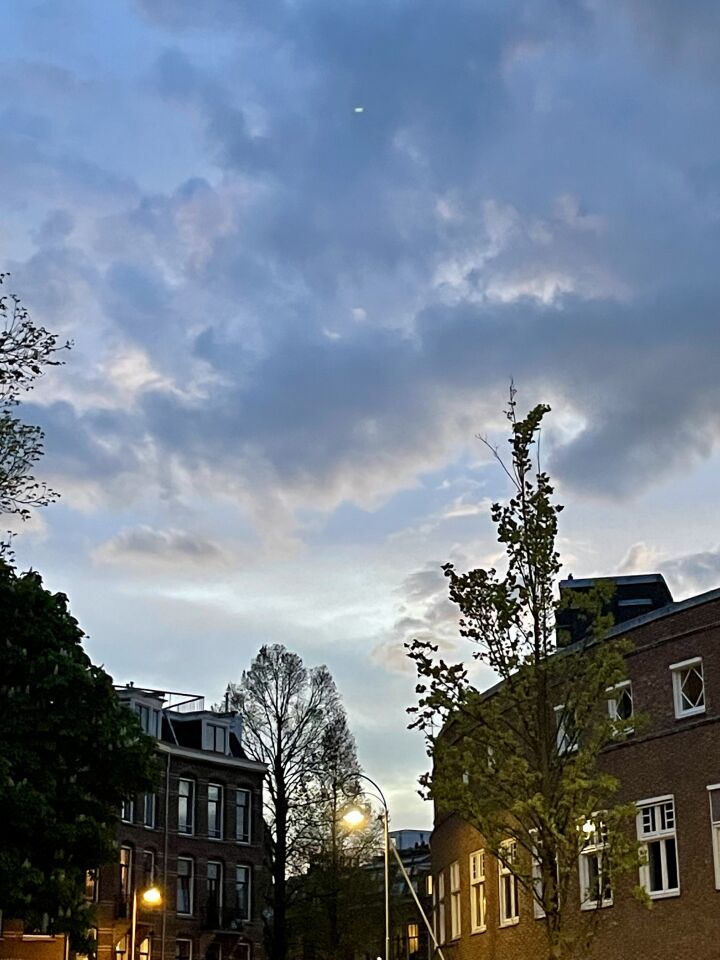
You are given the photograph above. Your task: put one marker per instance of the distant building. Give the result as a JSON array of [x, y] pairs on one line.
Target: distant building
[[199, 838], [670, 770]]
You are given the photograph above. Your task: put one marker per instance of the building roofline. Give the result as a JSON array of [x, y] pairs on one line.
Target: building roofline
[[222, 759]]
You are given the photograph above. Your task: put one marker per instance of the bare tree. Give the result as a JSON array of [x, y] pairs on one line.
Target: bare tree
[[286, 708]]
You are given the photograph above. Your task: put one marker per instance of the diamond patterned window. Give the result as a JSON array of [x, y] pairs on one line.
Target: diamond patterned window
[[688, 687]]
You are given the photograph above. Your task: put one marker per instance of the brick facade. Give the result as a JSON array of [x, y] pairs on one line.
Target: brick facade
[[205, 919], [672, 757]]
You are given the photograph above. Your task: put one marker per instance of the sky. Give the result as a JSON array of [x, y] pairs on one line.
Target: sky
[[301, 247]]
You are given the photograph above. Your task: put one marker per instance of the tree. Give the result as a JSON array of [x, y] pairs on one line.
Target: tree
[[336, 900], [286, 708], [522, 761], [25, 351], [69, 754]]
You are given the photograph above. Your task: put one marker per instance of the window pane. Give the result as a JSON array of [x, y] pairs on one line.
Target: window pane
[[655, 865], [671, 858]]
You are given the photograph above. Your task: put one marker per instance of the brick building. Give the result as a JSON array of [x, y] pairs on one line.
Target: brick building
[[670, 770], [198, 838]]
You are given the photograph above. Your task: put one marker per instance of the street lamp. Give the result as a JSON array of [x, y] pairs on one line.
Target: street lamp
[[151, 897], [353, 818]]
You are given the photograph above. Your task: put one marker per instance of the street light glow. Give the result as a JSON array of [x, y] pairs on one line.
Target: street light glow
[[152, 896], [354, 817]]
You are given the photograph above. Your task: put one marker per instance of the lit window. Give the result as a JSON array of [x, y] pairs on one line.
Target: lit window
[[215, 810], [149, 805], [478, 902], [144, 950], [656, 830], [595, 889], [186, 806], [127, 810], [429, 885], [121, 948], [185, 885], [91, 886], [714, 797], [454, 900], [242, 816], [413, 938], [242, 892], [125, 872], [509, 909], [688, 687], [620, 704], [214, 894]]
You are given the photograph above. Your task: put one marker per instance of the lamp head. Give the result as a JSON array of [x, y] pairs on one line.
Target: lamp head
[[354, 817], [151, 897]]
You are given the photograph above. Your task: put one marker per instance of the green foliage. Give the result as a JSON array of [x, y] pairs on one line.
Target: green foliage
[[69, 754], [25, 351], [522, 761]]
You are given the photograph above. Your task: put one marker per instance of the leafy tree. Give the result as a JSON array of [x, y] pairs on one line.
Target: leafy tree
[[69, 754], [286, 708], [25, 351], [522, 761]]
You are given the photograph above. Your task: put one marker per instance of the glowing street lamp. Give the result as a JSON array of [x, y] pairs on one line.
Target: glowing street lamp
[[353, 818], [151, 897]]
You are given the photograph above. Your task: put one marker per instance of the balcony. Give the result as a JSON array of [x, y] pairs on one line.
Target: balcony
[[221, 919]]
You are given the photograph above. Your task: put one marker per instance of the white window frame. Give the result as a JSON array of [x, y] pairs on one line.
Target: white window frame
[[148, 856], [562, 738], [536, 876], [455, 920], [127, 810], [478, 900], [715, 830], [614, 694], [149, 810], [190, 807], [440, 902], [219, 810], [594, 848], [190, 946], [248, 869], [210, 733], [191, 887], [678, 670], [219, 879], [660, 835], [247, 837], [508, 891], [126, 871]]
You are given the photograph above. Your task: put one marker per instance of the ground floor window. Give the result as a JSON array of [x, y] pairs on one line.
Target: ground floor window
[[508, 885]]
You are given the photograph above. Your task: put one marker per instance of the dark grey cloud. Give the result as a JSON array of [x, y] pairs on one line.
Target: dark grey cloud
[[142, 544], [339, 298]]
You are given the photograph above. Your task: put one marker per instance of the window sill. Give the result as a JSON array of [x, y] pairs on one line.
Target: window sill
[[510, 923], [695, 712], [663, 894], [479, 930], [596, 906]]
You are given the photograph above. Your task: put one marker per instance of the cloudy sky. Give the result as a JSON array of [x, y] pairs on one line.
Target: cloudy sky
[[301, 247]]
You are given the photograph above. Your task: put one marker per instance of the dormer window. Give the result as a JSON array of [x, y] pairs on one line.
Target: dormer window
[[215, 737], [149, 718]]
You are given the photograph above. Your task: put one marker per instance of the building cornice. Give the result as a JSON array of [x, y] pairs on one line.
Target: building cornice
[[189, 753]]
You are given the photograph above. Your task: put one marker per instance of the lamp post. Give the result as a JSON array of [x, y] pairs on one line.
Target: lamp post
[[353, 818], [151, 897]]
